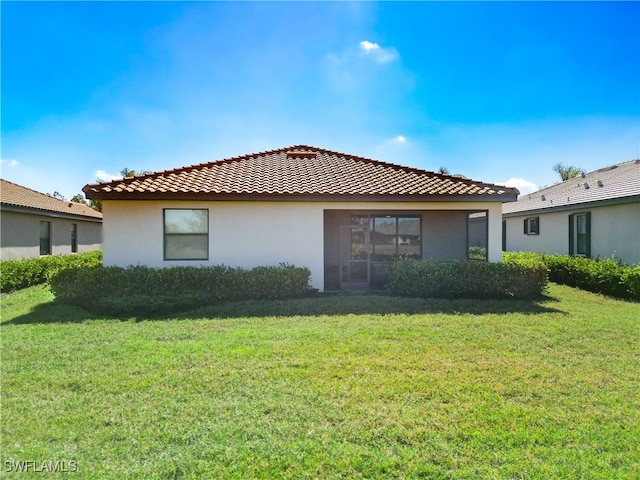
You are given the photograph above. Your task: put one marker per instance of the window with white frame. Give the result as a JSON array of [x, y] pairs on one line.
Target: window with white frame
[[186, 234]]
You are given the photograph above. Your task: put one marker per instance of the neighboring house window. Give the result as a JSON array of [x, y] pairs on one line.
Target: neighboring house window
[[504, 235], [532, 226], [580, 234], [45, 238], [186, 234], [74, 238]]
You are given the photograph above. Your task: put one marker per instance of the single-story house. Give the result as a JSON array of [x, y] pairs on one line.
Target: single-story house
[[596, 215], [34, 224], [342, 216]]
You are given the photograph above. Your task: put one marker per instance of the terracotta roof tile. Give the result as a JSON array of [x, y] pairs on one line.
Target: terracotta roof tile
[[15, 195], [298, 171]]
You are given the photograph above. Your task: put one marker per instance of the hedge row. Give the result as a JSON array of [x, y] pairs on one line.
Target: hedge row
[[17, 274], [522, 279], [146, 290], [607, 276]]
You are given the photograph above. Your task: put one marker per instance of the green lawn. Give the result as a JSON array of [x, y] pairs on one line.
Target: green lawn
[[327, 387]]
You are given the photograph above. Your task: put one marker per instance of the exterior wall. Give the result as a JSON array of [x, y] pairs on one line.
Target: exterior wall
[[241, 234], [249, 234], [553, 238], [494, 228], [615, 230], [20, 233]]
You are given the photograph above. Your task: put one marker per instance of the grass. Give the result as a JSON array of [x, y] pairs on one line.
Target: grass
[[327, 387]]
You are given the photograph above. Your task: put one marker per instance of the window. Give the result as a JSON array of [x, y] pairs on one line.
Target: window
[[186, 234], [504, 235], [393, 236], [45, 238], [74, 238], [477, 236], [580, 234], [532, 226]]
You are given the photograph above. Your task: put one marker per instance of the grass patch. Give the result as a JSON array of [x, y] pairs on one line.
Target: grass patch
[[327, 387]]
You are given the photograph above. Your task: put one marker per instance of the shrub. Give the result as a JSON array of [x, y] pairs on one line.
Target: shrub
[[478, 253], [17, 274], [631, 280], [513, 279], [146, 290], [607, 276]]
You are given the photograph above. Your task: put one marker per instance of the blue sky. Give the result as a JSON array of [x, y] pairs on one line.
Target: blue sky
[[497, 92]]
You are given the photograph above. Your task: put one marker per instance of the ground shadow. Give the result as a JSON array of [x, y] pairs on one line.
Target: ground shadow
[[53, 312], [316, 305]]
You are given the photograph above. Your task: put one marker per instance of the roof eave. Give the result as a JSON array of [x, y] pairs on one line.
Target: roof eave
[[575, 206], [303, 197], [49, 213]]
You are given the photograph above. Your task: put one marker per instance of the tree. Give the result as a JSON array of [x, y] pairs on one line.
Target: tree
[[445, 171], [127, 173], [95, 204], [79, 198], [568, 172], [57, 195]]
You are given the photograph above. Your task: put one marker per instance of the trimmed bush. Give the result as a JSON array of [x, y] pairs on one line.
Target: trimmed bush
[[146, 290], [607, 276], [631, 280], [514, 279], [17, 274]]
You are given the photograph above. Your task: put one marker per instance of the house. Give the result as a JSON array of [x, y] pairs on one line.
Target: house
[[595, 215], [344, 217], [33, 224]]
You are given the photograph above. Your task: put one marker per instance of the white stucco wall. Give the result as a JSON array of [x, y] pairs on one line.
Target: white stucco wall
[[494, 253], [615, 230], [20, 235], [553, 238], [249, 234], [241, 234]]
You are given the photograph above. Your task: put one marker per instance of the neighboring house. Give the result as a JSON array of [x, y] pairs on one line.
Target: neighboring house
[[344, 217], [33, 224], [596, 215]]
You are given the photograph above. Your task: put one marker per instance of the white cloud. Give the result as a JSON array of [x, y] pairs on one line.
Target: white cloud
[[9, 163], [378, 53], [367, 46], [521, 184], [106, 177], [395, 141]]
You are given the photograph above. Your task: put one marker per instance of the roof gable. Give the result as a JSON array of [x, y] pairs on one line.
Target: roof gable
[[297, 172], [617, 183], [14, 195]]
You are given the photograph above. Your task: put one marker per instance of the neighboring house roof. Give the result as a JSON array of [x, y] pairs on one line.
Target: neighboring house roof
[[611, 185], [296, 173], [16, 197]]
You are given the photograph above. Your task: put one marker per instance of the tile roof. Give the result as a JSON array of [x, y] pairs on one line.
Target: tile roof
[[13, 195], [616, 183], [299, 172]]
